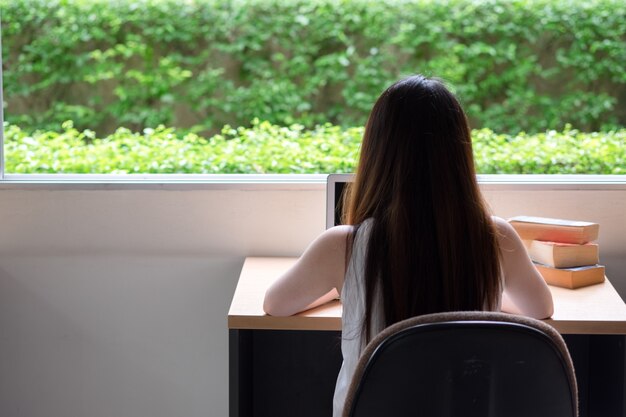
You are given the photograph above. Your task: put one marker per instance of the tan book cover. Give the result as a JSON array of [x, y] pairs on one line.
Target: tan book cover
[[555, 230], [562, 255], [572, 278]]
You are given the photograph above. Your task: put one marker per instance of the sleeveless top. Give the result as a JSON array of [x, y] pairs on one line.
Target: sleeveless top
[[353, 314]]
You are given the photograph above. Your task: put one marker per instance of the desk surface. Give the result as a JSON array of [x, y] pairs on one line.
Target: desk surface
[[597, 309]]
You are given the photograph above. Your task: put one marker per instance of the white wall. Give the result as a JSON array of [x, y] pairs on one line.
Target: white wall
[[113, 299]]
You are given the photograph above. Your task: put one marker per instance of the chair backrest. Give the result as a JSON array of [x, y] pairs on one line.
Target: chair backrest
[[459, 364]]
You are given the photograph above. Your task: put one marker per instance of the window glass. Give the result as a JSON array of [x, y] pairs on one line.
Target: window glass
[[285, 86]]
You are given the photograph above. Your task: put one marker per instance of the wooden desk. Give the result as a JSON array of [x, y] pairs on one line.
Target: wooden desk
[[287, 365]]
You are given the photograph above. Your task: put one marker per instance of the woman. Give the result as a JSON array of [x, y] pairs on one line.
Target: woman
[[419, 237]]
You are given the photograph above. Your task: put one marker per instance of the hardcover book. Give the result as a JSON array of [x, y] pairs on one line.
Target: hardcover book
[[572, 278], [562, 255], [555, 230]]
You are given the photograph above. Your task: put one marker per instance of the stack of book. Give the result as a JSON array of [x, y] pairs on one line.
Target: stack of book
[[562, 250]]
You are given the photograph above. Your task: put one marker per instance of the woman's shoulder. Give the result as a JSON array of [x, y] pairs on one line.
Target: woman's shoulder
[[340, 233], [507, 236], [336, 232], [500, 223], [342, 239], [332, 240]]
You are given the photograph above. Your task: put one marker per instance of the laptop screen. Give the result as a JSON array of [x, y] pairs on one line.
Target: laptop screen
[[335, 185]]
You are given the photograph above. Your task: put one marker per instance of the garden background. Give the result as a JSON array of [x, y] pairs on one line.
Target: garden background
[[256, 86]]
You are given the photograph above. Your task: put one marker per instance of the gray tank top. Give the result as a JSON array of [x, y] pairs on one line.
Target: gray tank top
[[353, 302]]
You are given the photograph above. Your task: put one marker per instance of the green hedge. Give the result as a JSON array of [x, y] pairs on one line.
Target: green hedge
[[516, 64], [268, 148]]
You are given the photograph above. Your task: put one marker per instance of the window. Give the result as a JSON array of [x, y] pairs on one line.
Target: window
[[285, 87]]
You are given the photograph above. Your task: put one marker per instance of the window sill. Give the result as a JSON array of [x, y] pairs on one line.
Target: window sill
[[283, 182]]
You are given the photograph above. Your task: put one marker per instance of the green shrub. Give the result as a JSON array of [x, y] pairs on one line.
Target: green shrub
[[550, 152], [517, 65], [268, 148]]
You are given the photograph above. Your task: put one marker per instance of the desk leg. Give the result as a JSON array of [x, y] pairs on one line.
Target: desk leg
[[240, 373]]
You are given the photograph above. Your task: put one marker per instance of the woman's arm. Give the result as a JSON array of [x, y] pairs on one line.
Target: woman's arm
[[525, 291], [316, 278]]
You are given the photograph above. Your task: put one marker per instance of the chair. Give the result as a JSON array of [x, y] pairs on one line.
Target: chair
[[464, 364]]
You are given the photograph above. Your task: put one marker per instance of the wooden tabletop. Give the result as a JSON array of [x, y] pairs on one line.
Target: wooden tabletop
[[597, 309]]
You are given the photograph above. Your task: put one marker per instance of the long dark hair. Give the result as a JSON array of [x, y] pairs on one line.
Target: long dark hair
[[432, 244]]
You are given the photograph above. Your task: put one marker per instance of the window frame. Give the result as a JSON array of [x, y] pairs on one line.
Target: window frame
[[295, 182], [1, 107]]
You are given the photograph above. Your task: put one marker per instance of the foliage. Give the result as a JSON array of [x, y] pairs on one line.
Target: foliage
[[567, 152], [199, 64], [268, 148]]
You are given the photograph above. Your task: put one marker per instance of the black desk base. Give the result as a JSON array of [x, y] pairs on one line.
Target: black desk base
[[275, 373]]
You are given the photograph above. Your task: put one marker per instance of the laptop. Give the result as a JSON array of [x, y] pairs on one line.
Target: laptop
[[335, 185]]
